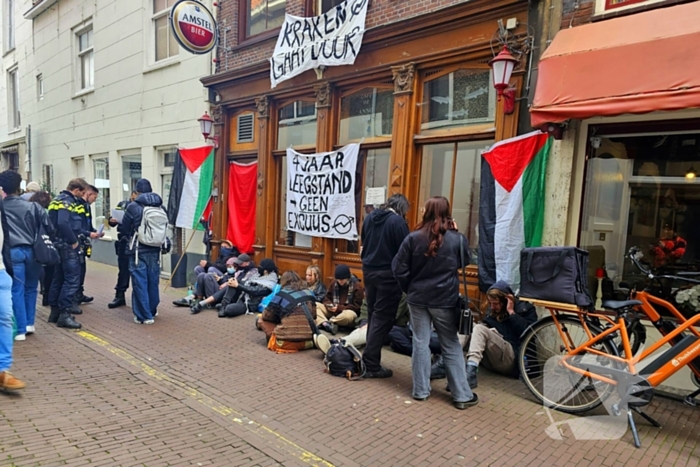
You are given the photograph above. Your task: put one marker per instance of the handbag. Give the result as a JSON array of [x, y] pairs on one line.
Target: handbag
[[45, 252], [465, 320], [555, 274]]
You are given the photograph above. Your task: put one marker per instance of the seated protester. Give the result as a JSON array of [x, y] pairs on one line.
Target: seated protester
[[245, 270], [284, 320], [244, 297], [496, 339], [315, 283], [208, 283], [342, 302], [227, 253]]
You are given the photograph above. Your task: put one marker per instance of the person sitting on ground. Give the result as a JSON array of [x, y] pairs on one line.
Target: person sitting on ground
[[342, 302], [284, 321], [214, 274], [218, 267], [245, 270], [315, 283], [496, 339], [208, 283], [250, 293]]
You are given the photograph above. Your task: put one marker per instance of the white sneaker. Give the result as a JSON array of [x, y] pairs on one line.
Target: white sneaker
[[21, 337], [149, 321], [136, 320], [31, 330]]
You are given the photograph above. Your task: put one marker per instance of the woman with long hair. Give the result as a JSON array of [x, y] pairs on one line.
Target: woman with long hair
[[426, 268], [314, 282]]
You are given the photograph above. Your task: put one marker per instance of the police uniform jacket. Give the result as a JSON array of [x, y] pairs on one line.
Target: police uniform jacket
[[66, 213]]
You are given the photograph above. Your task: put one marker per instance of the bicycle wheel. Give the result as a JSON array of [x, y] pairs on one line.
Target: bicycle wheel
[[556, 386]]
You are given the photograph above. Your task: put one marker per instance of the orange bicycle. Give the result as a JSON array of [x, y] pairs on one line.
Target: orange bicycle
[[574, 360]]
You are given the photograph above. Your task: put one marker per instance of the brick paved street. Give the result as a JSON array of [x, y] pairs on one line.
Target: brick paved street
[[199, 390]]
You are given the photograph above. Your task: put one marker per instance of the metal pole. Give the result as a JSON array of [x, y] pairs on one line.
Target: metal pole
[[184, 252]]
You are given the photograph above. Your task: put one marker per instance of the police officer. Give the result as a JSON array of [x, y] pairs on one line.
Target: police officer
[[88, 232], [65, 212], [122, 259]]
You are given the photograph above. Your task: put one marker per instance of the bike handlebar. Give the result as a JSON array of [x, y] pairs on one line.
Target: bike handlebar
[[635, 254]]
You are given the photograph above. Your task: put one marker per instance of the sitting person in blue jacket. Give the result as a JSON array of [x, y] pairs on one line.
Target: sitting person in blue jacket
[[496, 340]]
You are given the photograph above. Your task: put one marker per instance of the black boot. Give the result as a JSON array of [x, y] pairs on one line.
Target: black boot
[[55, 313], [45, 300], [66, 321], [437, 371], [74, 310], [85, 299], [471, 375], [118, 301]]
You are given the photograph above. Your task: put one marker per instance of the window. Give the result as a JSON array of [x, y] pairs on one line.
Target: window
[[297, 125], [131, 173], [459, 98], [167, 157], [368, 113], [8, 24], [263, 15], [610, 4], [102, 209], [642, 190], [86, 56], [165, 43], [438, 177], [323, 6], [47, 175], [13, 99], [40, 87], [10, 158]]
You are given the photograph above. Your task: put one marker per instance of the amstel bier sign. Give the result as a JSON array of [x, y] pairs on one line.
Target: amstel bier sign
[[194, 26]]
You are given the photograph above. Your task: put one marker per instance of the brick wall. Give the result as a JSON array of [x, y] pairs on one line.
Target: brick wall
[[380, 12], [576, 12]]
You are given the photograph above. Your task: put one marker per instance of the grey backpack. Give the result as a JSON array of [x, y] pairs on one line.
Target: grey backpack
[[153, 230]]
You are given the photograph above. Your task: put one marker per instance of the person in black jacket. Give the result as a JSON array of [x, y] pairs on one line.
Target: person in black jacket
[[496, 340], [23, 220], [426, 268], [7, 381], [251, 292], [383, 230], [122, 258], [144, 260]]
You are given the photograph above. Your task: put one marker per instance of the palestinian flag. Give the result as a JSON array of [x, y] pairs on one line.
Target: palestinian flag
[[511, 210], [190, 191]]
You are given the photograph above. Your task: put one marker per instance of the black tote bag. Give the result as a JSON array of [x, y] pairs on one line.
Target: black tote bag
[[44, 251], [555, 274]]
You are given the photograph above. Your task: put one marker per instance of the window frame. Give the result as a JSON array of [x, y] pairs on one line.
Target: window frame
[[153, 43], [243, 37], [40, 87], [14, 116], [8, 26], [609, 6], [379, 86], [285, 103], [314, 7], [106, 203], [78, 32]]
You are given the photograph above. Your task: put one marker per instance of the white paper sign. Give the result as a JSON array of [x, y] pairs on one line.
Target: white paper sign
[[321, 193], [332, 39], [375, 196]]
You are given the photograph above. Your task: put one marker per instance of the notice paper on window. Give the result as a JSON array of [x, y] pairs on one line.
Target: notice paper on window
[[118, 215]]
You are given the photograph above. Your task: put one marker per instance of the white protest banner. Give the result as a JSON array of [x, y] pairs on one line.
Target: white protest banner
[[332, 39], [321, 193]]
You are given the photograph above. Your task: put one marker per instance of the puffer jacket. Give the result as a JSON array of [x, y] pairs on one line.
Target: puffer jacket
[[23, 219], [254, 290], [430, 281]]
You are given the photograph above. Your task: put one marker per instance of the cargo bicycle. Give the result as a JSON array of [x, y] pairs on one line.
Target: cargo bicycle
[[574, 360]]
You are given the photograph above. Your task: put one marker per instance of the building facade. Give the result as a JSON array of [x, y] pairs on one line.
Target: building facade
[[419, 99], [100, 90]]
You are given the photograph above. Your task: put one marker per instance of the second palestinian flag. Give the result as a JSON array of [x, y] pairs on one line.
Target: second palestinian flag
[[511, 211]]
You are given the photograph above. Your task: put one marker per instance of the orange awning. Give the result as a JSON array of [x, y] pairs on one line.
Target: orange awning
[[634, 64]]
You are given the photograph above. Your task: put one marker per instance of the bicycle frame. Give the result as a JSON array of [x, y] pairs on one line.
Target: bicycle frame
[[662, 368]]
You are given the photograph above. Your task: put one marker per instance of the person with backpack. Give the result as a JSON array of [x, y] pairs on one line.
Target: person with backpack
[[145, 224]]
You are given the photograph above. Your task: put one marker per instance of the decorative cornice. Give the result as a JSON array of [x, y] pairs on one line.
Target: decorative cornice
[[262, 105], [403, 78], [323, 95]]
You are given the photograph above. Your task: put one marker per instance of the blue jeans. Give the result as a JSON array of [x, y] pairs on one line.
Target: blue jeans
[[145, 277], [24, 286], [6, 340], [443, 319], [66, 280]]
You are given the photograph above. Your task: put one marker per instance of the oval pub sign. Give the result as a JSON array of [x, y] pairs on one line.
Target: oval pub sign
[[194, 26]]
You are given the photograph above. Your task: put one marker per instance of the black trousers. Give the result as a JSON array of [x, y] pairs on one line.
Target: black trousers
[[383, 296], [123, 263], [83, 271]]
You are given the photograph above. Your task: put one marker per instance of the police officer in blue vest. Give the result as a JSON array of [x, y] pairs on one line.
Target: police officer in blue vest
[[66, 212]]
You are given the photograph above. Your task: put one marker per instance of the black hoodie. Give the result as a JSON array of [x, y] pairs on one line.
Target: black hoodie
[[514, 325], [133, 216], [383, 231]]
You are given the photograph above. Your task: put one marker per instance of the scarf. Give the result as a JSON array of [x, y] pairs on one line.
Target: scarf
[[351, 291]]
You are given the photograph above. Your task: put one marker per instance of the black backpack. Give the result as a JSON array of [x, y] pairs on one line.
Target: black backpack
[[344, 360]]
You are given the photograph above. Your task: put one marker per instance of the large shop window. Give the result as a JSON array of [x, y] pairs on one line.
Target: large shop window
[[457, 99], [372, 172], [131, 173], [642, 191], [263, 15], [367, 114], [102, 209], [453, 170], [297, 125]]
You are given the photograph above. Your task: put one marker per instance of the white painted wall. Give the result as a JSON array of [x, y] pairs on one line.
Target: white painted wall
[[137, 105]]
